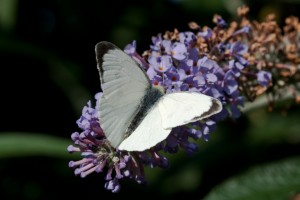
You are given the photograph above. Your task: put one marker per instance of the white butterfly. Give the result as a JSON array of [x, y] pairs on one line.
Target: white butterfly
[[136, 116]]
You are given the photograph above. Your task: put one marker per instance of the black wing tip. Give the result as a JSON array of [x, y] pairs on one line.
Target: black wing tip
[[215, 108], [102, 48]]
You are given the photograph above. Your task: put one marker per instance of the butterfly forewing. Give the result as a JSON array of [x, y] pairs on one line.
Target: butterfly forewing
[[170, 111], [181, 108], [124, 85]]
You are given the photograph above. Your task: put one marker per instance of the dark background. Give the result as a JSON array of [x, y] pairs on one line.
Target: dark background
[[48, 73]]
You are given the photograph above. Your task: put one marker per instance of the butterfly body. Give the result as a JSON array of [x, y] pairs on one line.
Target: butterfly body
[[148, 101], [136, 116]]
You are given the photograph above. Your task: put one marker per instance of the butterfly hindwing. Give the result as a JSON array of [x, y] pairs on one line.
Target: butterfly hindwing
[[149, 132], [124, 85]]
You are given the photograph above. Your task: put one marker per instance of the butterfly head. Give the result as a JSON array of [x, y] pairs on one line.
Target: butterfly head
[[160, 88]]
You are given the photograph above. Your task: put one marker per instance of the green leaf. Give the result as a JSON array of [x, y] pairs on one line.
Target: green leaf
[[279, 180], [17, 144], [8, 11]]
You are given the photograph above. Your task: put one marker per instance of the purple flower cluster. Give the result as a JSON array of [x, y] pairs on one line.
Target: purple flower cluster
[[198, 61], [180, 65]]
